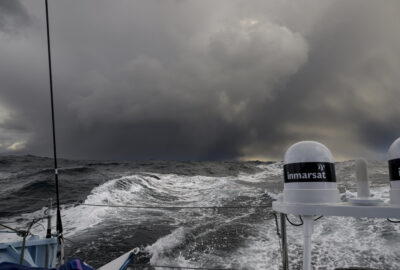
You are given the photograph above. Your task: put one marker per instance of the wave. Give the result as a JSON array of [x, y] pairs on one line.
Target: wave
[[235, 238], [337, 242], [150, 189]]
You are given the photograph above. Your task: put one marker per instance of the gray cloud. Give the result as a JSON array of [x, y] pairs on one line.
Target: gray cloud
[[203, 80], [13, 15]]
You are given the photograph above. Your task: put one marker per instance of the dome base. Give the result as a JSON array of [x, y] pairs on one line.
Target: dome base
[[395, 196], [311, 195]]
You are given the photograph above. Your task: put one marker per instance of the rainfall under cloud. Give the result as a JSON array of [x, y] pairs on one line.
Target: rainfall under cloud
[[187, 79]]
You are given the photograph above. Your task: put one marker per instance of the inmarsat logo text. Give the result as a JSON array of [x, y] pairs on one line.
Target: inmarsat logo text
[[321, 175], [321, 167]]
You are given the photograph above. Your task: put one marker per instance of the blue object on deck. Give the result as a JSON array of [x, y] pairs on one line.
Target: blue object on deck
[[74, 264], [128, 260], [37, 251]]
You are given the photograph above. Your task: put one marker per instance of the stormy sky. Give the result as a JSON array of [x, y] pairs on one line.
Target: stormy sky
[[200, 79]]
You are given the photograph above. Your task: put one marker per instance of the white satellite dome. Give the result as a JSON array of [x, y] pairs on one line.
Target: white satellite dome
[[309, 174], [308, 151], [394, 172]]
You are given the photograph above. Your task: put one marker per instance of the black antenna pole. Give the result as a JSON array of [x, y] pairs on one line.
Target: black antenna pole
[[59, 224]]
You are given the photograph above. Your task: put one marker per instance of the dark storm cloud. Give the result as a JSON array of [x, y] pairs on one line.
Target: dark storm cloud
[[346, 94], [203, 79], [12, 15]]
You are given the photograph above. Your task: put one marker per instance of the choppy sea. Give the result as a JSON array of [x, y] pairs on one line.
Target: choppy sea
[[242, 238]]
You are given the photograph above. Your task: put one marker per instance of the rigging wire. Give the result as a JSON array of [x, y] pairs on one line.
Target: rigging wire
[[22, 232], [278, 233], [318, 218], [277, 225], [18, 232], [59, 223]]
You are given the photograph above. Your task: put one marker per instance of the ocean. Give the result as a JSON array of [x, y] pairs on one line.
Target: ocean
[[238, 238]]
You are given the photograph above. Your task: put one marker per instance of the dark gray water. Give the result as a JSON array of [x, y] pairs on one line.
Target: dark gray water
[[224, 238]]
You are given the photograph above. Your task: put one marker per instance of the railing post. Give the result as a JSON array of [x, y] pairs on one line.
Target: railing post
[[307, 245], [285, 260]]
